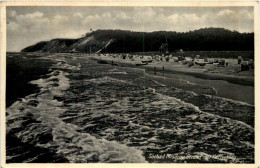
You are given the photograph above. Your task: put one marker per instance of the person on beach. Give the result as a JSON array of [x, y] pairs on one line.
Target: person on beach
[[163, 70]]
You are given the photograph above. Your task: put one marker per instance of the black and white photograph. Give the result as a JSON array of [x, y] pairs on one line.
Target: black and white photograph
[[130, 84]]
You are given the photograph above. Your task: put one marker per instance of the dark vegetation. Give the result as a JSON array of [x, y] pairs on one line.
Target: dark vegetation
[[206, 39]]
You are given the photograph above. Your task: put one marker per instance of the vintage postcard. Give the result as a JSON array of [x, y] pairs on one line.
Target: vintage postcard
[[157, 84]]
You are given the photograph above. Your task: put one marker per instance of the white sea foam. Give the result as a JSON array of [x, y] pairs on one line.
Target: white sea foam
[[116, 71], [107, 79], [186, 81], [160, 84], [196, 108], [78, 146], [75, 146], [230, 100]]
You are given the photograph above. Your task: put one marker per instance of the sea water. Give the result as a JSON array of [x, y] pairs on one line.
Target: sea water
[[88, 112]]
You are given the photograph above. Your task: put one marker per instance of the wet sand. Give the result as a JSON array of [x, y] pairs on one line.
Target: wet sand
[[230, 73], [222, 87], [242, 86]]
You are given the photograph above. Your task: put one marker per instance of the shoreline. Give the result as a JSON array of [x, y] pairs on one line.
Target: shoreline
[[112, 101], [177, 69], [231, 87]]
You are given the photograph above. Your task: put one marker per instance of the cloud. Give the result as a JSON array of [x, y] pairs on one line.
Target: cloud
[[37, 22], [173, 18], [12, 26], [106, 15], [92, 19], [30, 16], [60, 19], [122, 16], [58, 22], [41, 24], [225, 12], [190, 18], [135, 18], [11, 13], [147, 13], [28, 22], [78, 15], [247, 14]]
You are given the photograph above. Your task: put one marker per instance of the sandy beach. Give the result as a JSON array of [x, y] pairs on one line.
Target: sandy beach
[[230, 73], [221, 78]]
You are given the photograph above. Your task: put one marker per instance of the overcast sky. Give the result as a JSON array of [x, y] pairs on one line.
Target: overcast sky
[[29, 25]]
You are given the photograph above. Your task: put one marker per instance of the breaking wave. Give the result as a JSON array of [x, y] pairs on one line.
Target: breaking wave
[[99, 114]]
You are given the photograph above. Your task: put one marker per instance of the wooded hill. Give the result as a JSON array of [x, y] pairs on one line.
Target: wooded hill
[[118, 41]]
